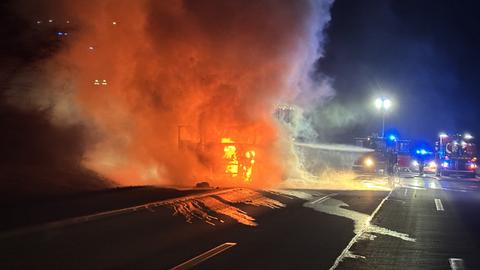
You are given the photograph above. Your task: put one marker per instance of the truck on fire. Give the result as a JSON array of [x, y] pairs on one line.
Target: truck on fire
[[228, 153], [456, 154]]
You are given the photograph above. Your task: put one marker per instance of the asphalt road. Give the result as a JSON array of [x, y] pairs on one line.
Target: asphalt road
[[442, 215], [240, 228]]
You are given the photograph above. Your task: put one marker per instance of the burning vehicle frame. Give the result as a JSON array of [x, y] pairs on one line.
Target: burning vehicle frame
[[233, 153]]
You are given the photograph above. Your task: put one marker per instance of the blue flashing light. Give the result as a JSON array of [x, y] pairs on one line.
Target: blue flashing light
[[421, 152], [59, 33], [392, 138]]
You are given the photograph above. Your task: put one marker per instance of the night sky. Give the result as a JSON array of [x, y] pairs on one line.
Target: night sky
[[423, 54]]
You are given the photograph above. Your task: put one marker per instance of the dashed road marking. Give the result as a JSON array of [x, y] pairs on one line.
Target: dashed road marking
[[456, 264], [204, 256], [324, 198], [439, 205]]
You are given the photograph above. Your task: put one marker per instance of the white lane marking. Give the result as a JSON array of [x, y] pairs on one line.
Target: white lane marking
[[414, 188], [406, 191], [204, 256], [324, 198], [456, 264], [96, 216], [435, 184], [359, 234], [456, 190], [439, 205]]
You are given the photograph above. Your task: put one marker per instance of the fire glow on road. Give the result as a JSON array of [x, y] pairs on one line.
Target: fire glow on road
[[211, 209]]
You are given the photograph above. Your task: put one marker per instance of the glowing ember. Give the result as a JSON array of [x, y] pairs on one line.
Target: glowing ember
[[227, 140], [232, 161], [248, 167], [235, 164]]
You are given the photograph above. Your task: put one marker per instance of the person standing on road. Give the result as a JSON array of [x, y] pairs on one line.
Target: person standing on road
[[421, 165], [391, 161]]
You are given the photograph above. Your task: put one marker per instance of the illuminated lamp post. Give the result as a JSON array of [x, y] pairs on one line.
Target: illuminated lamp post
[[383, 104], [442, 136]]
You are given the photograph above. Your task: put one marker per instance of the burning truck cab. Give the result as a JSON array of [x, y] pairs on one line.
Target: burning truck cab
[[227, 154], [239, 159]]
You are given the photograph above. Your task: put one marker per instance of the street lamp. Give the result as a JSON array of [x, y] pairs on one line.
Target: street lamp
[[383, 104], [442, 136]]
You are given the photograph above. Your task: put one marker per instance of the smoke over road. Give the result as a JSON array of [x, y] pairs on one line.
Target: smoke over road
[[157, 84]]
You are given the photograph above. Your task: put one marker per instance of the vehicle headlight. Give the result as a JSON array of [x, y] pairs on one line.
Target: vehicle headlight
[[415, 163], [432, 164], [368, 162]]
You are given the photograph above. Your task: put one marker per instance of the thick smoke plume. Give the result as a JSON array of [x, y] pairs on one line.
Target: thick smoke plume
[[157, 84]]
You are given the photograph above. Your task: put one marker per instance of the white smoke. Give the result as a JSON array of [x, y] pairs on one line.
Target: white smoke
[[310, 88], [312, 163]]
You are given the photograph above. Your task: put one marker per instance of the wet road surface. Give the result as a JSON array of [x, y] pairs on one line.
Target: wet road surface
[[424, 223]]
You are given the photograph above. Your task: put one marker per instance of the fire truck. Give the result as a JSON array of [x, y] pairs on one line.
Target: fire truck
[[389, 155], [456, 155]]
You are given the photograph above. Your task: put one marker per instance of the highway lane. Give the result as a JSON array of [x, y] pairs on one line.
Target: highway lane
[[442, 215], [424, 223], [24, 212], [300, 238], [285, 237]]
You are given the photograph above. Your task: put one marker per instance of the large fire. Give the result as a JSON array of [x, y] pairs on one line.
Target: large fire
[[238, 164], [178, 91]]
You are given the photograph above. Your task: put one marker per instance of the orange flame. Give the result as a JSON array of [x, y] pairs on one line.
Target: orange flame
[[236, 165], [202, 65]]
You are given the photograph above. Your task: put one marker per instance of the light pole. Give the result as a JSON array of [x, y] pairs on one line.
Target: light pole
[[442, 136], [383, 104]]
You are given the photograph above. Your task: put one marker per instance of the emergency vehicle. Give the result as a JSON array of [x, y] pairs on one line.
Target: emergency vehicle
[[456, 155], [390, 154]]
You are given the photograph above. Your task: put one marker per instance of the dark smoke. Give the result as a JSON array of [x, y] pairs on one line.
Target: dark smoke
[[217, 68], [37, 157]]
